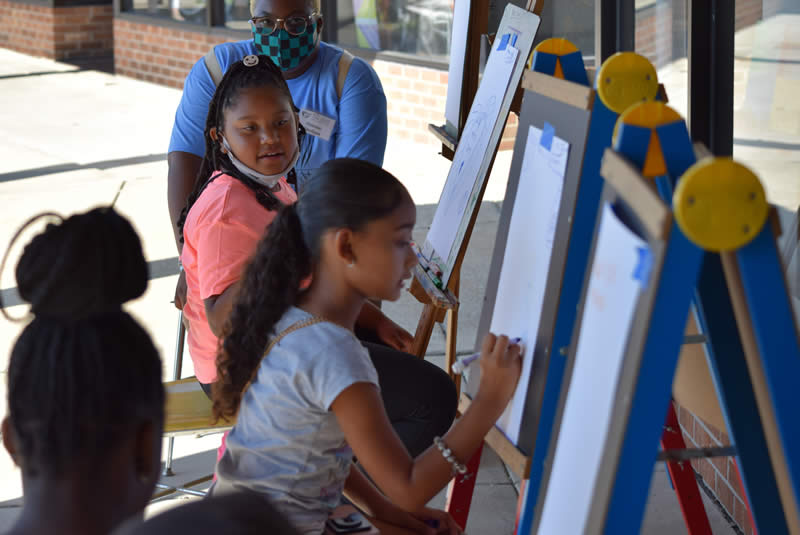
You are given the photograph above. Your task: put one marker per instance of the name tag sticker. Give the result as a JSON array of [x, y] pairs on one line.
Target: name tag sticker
[[316, 124]]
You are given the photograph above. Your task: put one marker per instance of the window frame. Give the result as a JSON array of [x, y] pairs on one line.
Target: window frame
[[215, 25]]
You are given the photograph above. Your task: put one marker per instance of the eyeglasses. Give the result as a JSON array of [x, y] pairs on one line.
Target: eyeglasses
[[295, 25]]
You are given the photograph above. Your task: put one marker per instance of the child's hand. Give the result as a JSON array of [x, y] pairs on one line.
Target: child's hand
[[500, 369], [394, 335], [440, 521]]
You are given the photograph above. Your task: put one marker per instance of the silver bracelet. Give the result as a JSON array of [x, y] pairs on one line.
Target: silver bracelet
[[447, 453]]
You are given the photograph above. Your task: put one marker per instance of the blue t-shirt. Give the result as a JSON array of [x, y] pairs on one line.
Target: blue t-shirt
[[361, 124]]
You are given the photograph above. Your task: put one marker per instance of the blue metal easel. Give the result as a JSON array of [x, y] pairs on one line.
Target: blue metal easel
[[720, 206], [623, 79]]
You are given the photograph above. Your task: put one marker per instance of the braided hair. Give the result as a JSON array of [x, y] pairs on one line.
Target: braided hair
[[83, 372], [342, 193], [238, 77]]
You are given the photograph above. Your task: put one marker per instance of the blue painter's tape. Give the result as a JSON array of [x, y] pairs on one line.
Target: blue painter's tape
[[644, 266], [504, 42], [548, 132]]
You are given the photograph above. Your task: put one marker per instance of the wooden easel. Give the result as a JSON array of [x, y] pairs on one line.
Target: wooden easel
[[476, 31], [441, 304]]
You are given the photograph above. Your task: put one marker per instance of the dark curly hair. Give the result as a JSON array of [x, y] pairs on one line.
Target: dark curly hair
[[83, 372], [343, 193], [239, 76]]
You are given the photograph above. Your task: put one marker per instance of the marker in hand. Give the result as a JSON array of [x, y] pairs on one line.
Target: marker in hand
[[460, 365]]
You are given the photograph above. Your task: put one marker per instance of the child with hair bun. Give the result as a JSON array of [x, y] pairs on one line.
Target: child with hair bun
[[85, 399]]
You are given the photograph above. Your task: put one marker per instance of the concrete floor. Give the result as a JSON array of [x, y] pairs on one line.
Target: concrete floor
[[74, 139]]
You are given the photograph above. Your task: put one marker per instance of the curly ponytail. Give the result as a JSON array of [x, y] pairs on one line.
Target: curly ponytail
[[343, 193], [270, 286]]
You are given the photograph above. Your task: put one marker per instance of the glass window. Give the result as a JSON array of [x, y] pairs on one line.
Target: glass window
[[662, 37], [191, 11], [766, 108], [570, 19], [419, 27], [237, 14]]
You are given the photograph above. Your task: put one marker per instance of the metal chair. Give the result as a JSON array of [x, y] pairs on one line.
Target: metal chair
[[187, 411]]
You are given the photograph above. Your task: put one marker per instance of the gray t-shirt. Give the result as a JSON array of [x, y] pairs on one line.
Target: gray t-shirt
[[286, 444]]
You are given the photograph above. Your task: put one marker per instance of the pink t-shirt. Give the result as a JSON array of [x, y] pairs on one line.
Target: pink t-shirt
[[220, 236]]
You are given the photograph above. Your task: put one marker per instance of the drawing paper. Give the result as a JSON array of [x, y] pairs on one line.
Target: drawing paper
[[529, 246], [606, 321], [458, 194]]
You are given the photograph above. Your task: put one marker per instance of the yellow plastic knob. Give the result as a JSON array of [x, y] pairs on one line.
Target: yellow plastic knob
[[649, 115], [625, 79], [558, 46], [720, 204]]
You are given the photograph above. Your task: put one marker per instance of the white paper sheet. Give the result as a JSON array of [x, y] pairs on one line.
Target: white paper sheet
[[529, 246], [470, 152], [458, 50], [607, 314]]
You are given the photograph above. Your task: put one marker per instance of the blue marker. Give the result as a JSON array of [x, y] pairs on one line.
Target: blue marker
[[460, 365]]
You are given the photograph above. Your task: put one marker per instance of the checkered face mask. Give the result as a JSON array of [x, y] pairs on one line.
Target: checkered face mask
[[283, 48]]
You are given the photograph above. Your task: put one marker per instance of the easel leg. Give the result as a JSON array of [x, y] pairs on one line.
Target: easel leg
[[683, 479], [452, 334], [520, 503], [744, 497], [424, 330], [459, 492]]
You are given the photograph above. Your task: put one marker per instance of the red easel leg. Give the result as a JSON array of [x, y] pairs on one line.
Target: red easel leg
[[459, 492], [744, 497], [683, 479], [520, 501]]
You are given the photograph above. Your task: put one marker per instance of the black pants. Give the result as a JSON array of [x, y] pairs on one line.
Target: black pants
[[420, 399]]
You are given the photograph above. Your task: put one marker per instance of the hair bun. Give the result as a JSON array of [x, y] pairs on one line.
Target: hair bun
[[89, 264]]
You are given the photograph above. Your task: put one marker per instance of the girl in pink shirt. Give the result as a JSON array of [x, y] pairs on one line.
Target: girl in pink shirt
[[252, 144]]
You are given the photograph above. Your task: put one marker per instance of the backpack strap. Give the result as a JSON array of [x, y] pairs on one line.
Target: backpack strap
[[345, 61], [212, 66]]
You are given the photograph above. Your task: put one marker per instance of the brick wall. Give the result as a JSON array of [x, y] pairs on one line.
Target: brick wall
[[164, 54], [160, 54], [720, 473], [62, 32]]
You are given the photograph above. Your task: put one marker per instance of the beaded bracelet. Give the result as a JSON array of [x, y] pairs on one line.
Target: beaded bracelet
[[447, 453]]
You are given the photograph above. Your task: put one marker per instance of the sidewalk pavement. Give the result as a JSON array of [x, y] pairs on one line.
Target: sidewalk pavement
[[80, 138]]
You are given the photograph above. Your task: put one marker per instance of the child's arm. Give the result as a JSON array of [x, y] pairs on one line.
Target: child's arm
[[219, 307], [367, 498], [411, 483]]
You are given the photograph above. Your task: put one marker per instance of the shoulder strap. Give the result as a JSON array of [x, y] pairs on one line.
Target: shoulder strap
[[288, 330], [213, 67], [345, 61]]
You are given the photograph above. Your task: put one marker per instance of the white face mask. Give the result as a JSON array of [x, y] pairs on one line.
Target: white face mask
[[265, 180]]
